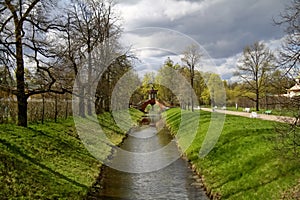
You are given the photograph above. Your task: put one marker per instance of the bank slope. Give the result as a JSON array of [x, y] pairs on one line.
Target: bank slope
[[49, 161], [243, 164]]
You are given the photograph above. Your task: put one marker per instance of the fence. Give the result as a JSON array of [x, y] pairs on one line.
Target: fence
[[39, 109]]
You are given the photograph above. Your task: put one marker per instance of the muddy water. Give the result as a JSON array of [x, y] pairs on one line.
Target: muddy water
[[175, 181]]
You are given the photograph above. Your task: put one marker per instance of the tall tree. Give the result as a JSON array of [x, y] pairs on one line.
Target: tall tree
[[199, 85], [256, 63], [6, 98], [25, 34], [192, 57], [290, 51], [216, 89], [288, 135], [148, 82], [166, 81], [109, 79], [93, 23]]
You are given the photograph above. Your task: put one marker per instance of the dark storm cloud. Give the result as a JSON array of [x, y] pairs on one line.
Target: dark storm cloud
[[233, 25], [223, 27]]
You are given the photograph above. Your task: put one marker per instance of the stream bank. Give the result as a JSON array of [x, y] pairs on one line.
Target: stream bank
[[174, 181]]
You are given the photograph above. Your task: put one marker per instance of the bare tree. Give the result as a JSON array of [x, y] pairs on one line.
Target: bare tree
[[192, 57], [290, 53], [166, 76], [110, 77], [72, 59], [93, 23], [288, 135], [6, 98], [287, 139], [254, 66], [25, 28]]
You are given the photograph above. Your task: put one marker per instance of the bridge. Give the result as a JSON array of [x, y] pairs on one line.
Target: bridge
[[151, 101]]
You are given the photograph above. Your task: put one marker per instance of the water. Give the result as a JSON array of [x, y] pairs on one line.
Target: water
[[176, 181]]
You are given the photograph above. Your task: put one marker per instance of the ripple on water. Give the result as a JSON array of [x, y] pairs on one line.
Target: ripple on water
[[176, 181]]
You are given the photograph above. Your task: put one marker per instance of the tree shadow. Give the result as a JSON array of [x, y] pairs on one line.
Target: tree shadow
[[19, 152]]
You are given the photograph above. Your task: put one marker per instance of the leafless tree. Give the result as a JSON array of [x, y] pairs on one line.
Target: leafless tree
[[253, 67], [290, 51], [93, 24], [25, 37], [287, 139], [108, 81], [55, 44], [288, 135], [192, 57]]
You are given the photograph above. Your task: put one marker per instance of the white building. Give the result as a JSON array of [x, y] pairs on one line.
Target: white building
[[295, 90]]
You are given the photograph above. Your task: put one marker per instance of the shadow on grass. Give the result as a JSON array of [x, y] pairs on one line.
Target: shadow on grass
[[18, 151], [58, 141]]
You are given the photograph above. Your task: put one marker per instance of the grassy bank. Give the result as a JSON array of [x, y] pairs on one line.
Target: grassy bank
[[243, 163], [49, 161]]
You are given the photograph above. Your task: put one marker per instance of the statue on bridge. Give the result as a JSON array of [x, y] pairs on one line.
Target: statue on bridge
[[152, 100]]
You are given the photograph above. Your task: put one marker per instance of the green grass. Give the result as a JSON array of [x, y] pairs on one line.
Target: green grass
[[243, 164], [49, 161]]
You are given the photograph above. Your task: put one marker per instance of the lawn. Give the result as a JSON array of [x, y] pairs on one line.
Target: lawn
[[244, 163], [277, 112], [49, 161]]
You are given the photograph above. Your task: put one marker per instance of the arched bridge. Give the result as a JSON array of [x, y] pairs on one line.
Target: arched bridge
[[144, 105], [152, 100]]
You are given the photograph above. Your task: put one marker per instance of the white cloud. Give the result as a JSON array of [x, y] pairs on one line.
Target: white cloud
[[177, 9], [227, 66], [146, 11]]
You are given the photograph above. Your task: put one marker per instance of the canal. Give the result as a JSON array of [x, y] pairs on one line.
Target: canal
[[143, 174]]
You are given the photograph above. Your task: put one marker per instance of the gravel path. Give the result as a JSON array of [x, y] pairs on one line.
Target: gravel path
[[260, 116]]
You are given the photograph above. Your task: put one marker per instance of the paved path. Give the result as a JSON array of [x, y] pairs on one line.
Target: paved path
[[260, 116]]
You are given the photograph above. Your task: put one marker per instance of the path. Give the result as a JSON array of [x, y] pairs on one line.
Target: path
[[260, 116]]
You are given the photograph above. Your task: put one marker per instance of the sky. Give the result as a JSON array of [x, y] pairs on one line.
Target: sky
[[157, 29]]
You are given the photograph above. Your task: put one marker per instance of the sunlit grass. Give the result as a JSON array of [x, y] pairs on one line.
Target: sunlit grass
[[49, 161], [243, 164], [44, 161]]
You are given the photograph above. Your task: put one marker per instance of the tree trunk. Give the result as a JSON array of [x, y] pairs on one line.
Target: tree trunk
[[192, 85], [21, 96], [43, 109], [56, 109], [108, 92], [89, 96], [257, 101], [81, 102], [67, 108]]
